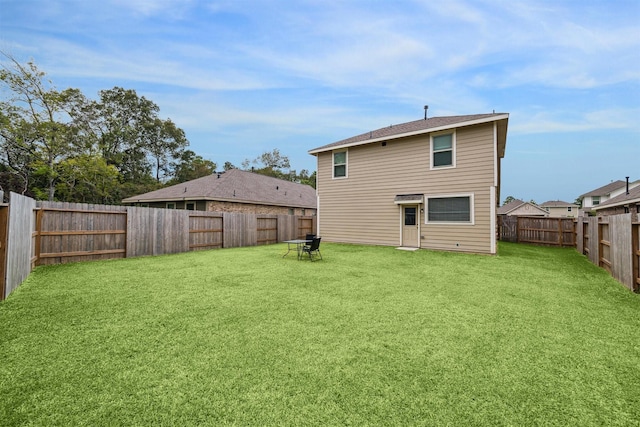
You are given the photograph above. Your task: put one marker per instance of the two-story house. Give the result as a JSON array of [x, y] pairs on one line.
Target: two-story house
[[432, 183], [627, 202], [602, 194], [561, 209]]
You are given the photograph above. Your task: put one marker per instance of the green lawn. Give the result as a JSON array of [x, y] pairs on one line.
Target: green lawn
[[368, 336]]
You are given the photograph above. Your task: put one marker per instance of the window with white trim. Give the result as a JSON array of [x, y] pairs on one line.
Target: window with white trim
[[443, 150], [340, 164], [456, 209], [171, 205]]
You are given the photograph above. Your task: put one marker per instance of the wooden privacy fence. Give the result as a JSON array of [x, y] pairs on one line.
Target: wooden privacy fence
[[16, 240], [537, 230], [613, 243], [54, 233]]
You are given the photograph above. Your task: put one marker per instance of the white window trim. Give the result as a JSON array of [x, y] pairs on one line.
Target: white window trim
[[346, 164], [446, 196], [453, 150]]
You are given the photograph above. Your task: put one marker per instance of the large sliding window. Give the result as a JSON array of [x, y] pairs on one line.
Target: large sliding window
[[340, 164], [450, 209]]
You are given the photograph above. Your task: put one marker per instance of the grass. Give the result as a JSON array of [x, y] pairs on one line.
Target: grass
[[368, 336]]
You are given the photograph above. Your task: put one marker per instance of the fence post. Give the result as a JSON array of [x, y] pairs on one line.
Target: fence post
[[560, 236], [39, 219], [635, 256], [4, 224]]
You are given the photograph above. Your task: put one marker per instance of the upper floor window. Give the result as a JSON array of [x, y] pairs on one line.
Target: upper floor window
[[340, 164], [595, 200], [443, 150]]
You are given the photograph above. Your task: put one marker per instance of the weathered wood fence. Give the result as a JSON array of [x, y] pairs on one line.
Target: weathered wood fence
[[16, 237], [537, 230], [52, 233], [613, 243]]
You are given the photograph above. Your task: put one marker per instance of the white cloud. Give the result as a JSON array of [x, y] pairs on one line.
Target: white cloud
[[557, 122]]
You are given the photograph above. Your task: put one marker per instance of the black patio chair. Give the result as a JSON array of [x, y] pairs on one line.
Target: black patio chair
[[313, 249], [309, 237]]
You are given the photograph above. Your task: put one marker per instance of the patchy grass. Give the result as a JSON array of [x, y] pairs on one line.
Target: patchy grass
[[368, 336]]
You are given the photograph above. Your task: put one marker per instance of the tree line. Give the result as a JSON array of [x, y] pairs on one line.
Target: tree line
[[62, 145]]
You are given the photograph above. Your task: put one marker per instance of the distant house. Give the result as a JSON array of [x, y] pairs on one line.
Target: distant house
[[233, 191], [519, 208], [560, 209], [627, 202], [432, 183], [600, 195]]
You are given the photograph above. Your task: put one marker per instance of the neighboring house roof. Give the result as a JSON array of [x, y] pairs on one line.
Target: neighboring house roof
[[515, 205], [621, 199], [605, 190], [235, 186], [417, 127], [512, 205], [557, 204]]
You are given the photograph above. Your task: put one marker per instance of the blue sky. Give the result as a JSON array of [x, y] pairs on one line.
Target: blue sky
[[242, 77]]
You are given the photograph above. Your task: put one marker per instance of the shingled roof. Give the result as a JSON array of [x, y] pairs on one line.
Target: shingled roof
[[557, 204], [511, 206], [606, 189], [412, 128], [621, 199], [235, 186]]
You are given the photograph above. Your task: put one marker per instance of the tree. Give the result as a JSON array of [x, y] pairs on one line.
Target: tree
[[39, 123], [164, 143], [87, 179], [271, 163], [121, 119], [508, 200], [305, 178], [191, 166], [16, 157]]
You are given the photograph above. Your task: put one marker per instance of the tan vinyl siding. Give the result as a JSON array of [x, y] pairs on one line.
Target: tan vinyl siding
[[361, 209]]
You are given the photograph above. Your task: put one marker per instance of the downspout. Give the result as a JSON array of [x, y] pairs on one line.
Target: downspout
[[494, 193]]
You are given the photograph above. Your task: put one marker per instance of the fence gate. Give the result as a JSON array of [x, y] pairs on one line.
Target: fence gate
[[508, 228]]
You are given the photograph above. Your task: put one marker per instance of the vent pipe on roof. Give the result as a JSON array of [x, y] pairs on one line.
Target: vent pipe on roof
[[627, 185], [426, 107]]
